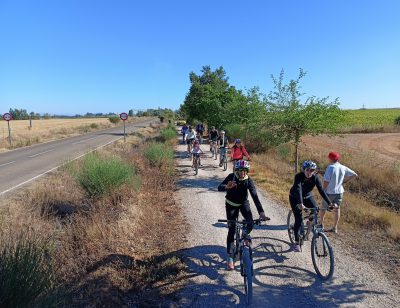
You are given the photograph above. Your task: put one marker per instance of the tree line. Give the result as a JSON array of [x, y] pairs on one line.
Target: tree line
[[263, 120]]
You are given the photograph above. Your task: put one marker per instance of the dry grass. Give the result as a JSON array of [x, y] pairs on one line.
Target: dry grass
[[371, 202], [47, 130], [113, 250]]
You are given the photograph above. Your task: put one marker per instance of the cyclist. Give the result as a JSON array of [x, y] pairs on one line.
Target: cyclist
[[300, 195], [191, 135], [213, 137], [196, 151], [184, 132], [223, 145], [238, 152], [335, 175], [237, 185], [200, 130]]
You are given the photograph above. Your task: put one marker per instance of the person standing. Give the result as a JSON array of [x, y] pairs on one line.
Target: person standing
[[335, 175]]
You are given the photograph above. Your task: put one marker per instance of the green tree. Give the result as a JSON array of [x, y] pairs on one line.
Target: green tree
[[209, 96], [290, 119], [130, 113]]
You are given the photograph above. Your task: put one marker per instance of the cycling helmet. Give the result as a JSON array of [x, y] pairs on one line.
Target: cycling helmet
[[309, 164], [238, 141], [242, 164], [334, 156], [222, 132]]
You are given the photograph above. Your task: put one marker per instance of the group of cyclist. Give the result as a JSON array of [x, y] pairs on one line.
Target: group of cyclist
[[238, 183]]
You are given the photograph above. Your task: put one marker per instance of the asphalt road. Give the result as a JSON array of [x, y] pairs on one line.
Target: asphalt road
[[21, 166]]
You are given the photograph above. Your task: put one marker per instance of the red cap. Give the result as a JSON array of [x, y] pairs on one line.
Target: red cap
[[334, 156]]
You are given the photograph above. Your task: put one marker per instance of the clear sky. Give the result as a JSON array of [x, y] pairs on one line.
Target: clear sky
[[78, 56]]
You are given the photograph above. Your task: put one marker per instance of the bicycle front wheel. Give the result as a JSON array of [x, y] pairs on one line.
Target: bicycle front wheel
[[196, 166], [322, 256], [290, 226], [225, 163], [247, 274]]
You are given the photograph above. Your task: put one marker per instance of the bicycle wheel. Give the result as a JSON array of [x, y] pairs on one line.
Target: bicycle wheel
[[322, 256], [247, 274], [290, 226], [225, 163], [196, 166]]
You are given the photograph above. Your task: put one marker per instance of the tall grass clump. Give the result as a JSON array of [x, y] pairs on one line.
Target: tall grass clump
[[159, 154], [100, 175], [168, 133], [27, 277]]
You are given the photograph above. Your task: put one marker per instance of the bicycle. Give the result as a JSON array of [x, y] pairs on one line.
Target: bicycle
[[196, 163], [243, 249], [224, 158], [214, 149], [321, 249]]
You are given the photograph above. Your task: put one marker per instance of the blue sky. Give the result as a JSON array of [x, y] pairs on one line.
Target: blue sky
[[78, 56]]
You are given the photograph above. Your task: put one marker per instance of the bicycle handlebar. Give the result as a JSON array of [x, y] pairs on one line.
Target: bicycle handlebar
[[244, 222]]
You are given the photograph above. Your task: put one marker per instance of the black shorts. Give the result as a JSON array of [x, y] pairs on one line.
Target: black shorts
[[189, 141]]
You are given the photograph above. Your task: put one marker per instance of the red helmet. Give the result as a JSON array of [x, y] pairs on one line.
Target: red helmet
[[334, 156]]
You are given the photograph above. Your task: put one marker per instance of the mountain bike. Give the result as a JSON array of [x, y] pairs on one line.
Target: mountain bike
[[214, 149], [244, 251], [224, 158], [321, 249], [196, 162]]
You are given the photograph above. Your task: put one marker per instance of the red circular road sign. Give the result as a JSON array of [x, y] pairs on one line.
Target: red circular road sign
[[7, 116], [123, 116]]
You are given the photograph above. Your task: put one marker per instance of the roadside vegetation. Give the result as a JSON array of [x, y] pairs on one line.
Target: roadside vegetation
[[96, 232]]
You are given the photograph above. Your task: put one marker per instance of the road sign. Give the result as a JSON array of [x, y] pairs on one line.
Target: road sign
[[7, 116], [123, 116]]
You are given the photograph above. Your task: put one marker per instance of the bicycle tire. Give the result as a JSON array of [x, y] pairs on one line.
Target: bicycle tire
[[290, 226], [196, 166], [247, 275], [320, 250], [225, 163]]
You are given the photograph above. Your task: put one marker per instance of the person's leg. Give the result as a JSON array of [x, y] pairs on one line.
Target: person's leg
[[232, 213], [247, 215], [298, 219], [323, 210], [338, 201]]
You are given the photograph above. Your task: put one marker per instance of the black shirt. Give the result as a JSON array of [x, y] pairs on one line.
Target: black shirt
[[214, 135], [303, 186], [239, 193]]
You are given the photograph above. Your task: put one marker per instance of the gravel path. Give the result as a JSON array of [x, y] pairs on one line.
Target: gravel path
[[282, 278]]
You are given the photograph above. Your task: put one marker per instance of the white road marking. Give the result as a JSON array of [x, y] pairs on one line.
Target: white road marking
[[31, 156], [11, 162], [82, 141]]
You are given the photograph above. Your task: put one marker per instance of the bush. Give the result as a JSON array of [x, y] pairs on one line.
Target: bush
[[397, 121], [27, 278], [168, 133], [101, 175], [114, 120], [94, 125], [159, 154]]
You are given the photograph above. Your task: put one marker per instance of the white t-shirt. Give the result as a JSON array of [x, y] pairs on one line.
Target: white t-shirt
[[335, 174]]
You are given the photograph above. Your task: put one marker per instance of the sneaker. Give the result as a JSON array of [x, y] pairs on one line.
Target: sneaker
[[220, 164], [296, 248], [333, 230], [230, 264]]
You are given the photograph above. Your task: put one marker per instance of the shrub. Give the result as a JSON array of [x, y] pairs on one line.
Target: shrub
[[114, 120], [94, 125], [158, 154], [168, 133], [101, 175], [397, 121], [27, 278]]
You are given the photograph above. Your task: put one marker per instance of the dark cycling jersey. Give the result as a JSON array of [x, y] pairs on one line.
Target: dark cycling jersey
[[223, 142], [238, 195], [303, 186], [214, 135]]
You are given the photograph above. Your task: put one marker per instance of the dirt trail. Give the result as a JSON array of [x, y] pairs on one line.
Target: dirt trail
[[282, 277]]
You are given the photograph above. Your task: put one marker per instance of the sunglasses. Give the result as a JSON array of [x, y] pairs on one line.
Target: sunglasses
[[245, 170], [310, 170]]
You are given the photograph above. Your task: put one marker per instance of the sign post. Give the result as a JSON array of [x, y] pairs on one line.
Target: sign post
[[124, 116], [8, 117]]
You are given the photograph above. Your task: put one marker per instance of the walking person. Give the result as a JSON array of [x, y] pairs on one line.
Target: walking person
[[335, 175]]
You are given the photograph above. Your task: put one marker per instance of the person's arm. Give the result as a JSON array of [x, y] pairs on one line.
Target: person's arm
[[222, 186], [254, 196], [349, 175], [325, 185], [245, 153], [321, 189], [298, 191]]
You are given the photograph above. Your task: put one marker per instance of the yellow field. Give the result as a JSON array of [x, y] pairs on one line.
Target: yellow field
[[48, 129]]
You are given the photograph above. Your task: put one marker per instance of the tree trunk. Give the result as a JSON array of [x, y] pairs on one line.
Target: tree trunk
[[296, 145]]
